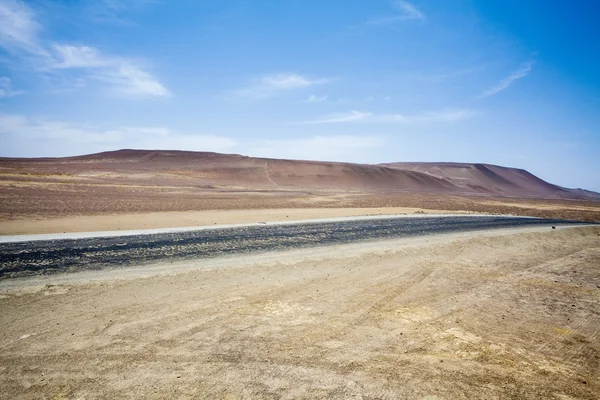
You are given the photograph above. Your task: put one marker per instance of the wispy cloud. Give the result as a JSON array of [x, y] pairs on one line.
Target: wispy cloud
[[6, 89], [78, 57], [19, 34], [125, 75], [404, 11], [289, 81], [18, 28], [448, 115], [315, 99], [272, 85], [350, 116], [407, 10], [27, 136], [508, 81]]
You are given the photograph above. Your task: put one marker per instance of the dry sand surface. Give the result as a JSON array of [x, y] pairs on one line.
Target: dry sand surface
[[100, 209], [502, 314]]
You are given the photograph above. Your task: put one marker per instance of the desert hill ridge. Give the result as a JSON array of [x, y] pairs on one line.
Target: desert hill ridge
[[234, 171]]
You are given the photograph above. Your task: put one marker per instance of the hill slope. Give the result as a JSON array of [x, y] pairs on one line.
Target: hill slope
[[214, 170], [494, 180]]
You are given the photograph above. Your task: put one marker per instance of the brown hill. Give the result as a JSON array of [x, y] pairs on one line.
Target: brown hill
[[233, 171], [493, 180], [236, 172]]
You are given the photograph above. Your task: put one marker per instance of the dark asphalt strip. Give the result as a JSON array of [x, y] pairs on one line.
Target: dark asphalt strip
[[71, 255]]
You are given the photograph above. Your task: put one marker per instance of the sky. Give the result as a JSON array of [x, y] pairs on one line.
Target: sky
[[508, 82]]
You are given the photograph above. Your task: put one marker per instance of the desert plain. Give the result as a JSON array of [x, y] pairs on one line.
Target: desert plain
[[507, 313]]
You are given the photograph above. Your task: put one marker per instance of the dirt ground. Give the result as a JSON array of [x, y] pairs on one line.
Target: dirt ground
[[47, 209], [493, 315], [51, 197]]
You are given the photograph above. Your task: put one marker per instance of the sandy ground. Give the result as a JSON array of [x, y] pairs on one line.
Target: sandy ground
[[503, 314], [115, 222]]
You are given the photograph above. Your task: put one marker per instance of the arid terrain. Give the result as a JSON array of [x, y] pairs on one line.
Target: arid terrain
[[496, 315], [132, 189]]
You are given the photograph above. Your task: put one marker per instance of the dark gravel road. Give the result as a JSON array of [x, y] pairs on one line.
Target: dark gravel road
[[59, 256]]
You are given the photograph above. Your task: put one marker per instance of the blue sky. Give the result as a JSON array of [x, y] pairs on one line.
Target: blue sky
[[509, 82]]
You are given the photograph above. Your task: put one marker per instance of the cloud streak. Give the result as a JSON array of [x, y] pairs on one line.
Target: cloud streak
[[407, 10], [18, 28], [404, 11], [354, 116], [270, 86], [125, 75], [508, 81], [19, 34], [315, 99], [351, 116]]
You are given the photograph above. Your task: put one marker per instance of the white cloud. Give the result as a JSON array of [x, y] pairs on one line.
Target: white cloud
[[23, 136], [272, 85], [509, 80], [315, 99], [19, 31], [405, 12], [132, 80], [6, 89], [18, 28], [448, 115], [78, 57], [124, 74], [321, 148], [289, 81], [351, 116]]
